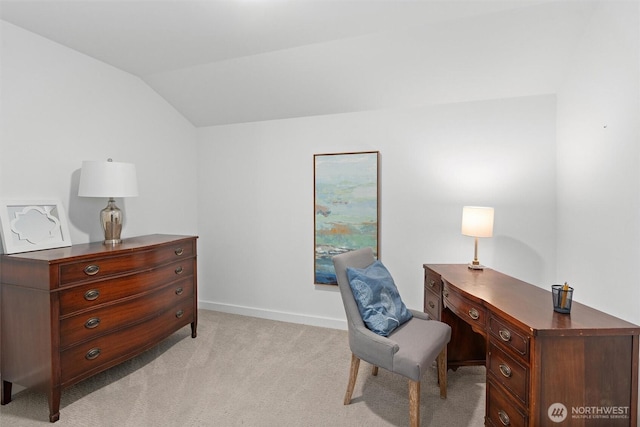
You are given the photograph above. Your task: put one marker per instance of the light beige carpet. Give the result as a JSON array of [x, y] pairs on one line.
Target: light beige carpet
[[244, 371]]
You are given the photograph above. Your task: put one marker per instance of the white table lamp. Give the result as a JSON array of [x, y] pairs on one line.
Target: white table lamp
[[109, 179], [477, 222]]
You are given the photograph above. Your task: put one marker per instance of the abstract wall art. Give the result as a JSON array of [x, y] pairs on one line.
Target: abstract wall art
[[346, 208]]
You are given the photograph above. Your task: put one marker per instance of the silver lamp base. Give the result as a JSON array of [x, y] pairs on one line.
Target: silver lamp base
[[111, 220]]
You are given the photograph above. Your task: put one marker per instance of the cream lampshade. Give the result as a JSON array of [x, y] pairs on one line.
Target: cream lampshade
[[477, 222], [109, 179]]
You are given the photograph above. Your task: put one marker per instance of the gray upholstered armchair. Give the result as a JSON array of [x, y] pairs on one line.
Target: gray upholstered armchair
[[407, 351]]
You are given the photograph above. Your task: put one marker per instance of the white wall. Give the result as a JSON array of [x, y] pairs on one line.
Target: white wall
[[256, 180], [256, 196], [599, 164], [60, 107], [249, 196], [586, 234]]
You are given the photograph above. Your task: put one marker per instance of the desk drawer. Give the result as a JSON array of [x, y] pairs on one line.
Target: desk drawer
[[432, 281], [501, 411], [432, 304], [471, 312], [511, 337], [509, 372]]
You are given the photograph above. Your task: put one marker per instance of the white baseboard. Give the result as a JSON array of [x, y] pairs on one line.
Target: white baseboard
[[324, 322]]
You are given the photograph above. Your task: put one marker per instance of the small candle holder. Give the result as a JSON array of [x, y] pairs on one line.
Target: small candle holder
[[562, 296]]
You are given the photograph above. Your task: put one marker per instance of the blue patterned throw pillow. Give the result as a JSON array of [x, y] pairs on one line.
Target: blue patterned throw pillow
[[378, 299]]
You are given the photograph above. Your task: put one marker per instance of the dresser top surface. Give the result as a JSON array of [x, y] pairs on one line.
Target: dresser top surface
[[98, 248], [527, 304]]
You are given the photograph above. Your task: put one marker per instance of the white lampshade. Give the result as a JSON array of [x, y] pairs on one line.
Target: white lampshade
[[477, 221], [108, 179]]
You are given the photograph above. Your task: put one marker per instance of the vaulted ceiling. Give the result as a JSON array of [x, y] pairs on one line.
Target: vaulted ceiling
[[223, 62]]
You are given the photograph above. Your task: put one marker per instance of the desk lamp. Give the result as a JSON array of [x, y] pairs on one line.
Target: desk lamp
[[109, 179], [477, 222]]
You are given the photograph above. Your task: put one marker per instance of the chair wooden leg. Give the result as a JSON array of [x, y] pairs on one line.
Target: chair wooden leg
[[374, 370], [414, 403], [353, 374], [442, 372]]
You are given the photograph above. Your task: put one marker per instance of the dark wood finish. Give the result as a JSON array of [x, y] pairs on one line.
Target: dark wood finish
[[465, 348], [509, 372], [72, 312], [432, 294], [502, 411], [535, 357], [462, 305]]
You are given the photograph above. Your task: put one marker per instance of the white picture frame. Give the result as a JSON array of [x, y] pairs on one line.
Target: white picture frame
[[32, 225]]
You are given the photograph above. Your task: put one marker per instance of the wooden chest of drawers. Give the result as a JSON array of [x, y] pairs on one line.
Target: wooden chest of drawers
[[72, 312], [543, 368]]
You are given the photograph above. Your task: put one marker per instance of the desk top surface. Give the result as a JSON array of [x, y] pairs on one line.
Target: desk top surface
[[529, 305]]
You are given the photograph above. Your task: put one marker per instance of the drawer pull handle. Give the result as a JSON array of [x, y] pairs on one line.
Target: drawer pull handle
[[432, 283], [179, 251], [179, 313], [92, 354], [92, 295], [92, 323], [91, 270], [179, 291], [446, 294], [504, 418], [431, 304], [473, 313], [505, 370], [179, 270], [505, 335]]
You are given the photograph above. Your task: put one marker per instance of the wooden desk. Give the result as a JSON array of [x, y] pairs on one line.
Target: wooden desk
[[541, 365]]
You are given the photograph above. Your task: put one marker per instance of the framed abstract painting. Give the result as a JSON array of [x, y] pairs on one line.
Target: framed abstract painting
[[346, 208]]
